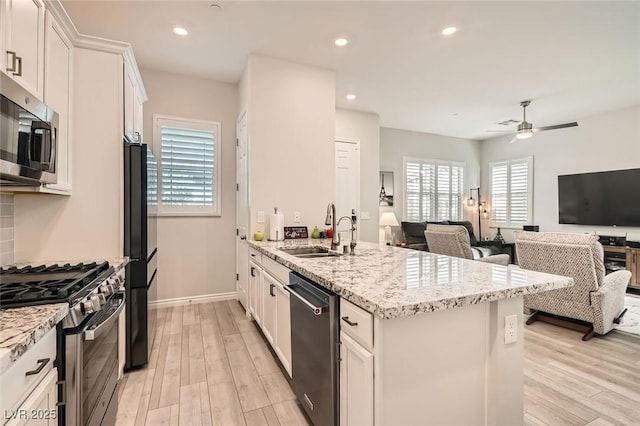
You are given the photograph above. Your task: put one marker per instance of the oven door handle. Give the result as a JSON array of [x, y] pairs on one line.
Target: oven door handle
[[94, 333]]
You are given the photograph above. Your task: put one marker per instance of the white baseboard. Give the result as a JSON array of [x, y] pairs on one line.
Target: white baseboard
[[181, 301]]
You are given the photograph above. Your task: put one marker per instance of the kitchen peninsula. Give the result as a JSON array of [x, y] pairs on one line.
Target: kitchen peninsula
[[428, 346]]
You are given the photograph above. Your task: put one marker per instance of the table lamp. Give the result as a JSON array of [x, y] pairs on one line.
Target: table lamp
[[388, 219]]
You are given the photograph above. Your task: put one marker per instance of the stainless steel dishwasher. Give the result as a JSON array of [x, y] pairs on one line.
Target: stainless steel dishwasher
[[314, 336]]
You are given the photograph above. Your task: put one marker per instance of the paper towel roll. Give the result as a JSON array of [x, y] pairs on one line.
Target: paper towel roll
[[276, 223]]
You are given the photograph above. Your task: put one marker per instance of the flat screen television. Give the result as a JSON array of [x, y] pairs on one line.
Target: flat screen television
[[602, 198]]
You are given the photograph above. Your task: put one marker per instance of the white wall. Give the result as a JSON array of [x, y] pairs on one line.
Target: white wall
[[603, 142], [88, 224], [365, 128], [291, 123], [395, 144], [196, 255]]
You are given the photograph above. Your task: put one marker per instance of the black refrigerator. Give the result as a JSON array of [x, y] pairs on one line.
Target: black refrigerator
[[140, 245]]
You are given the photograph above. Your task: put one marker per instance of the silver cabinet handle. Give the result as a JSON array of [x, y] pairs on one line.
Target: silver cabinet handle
[[351, 323], [11, 54], [43, 362], [19, 62]]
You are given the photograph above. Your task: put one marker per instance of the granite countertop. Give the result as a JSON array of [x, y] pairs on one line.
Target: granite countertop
[[392, 282], [21, 328]]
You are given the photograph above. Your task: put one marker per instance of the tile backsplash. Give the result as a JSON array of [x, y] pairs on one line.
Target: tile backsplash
[[7, 254]]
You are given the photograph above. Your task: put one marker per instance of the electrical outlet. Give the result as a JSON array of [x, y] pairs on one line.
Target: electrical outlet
[[296, 217], [260, 217], [510, 329]]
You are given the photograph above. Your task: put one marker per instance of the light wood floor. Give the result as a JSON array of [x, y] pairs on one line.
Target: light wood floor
[[210, 366]]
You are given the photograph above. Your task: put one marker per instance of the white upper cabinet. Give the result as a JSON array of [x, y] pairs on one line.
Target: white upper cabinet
[[58, 94], [22, 31], [134, 97]]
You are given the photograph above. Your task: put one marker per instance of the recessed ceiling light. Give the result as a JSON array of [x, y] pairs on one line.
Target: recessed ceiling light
[[341, 42], [180, 31], [351, 97], [449, 31]]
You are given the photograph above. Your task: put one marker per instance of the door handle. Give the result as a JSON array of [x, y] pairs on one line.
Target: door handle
[[43, 362], [19, 62], [317, 310], [11, 54]]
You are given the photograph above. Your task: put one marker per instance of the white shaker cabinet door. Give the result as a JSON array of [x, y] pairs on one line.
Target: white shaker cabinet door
[[283, 328], [356, 383], [255, 292], [57, 95], [23, 43], [269, 285], [40, 406]]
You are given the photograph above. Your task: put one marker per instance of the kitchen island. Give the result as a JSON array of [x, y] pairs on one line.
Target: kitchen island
[[433, 350]]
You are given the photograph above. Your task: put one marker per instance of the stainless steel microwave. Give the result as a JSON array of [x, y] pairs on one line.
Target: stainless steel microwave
[[28, 130]]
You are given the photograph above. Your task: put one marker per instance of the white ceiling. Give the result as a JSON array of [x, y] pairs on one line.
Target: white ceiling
[[573, 59]]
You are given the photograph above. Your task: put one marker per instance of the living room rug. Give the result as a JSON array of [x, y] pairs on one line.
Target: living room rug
[[631, 320]]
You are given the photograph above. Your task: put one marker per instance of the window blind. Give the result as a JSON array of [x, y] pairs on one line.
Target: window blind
[[433, 190], [511, 191], [188, 161]]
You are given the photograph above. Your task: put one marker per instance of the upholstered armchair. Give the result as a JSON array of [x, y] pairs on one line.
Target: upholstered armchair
[[453, 240], [595, 298]]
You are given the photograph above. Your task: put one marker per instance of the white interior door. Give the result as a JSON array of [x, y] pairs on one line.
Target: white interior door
[[347, 179], [242, 209]]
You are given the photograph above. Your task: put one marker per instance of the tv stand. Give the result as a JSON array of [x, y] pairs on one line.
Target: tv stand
[[620, 258]]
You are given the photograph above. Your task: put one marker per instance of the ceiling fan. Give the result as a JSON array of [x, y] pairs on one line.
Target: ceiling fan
[[526, 130]]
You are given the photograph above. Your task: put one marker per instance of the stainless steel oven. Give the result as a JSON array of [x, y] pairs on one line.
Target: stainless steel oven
[[91, 367]]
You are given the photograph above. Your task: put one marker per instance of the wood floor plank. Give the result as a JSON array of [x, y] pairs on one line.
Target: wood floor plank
[[262, 358], [225, 319], [289, 413], [255, 418], [190, 405], [154, 398], [185, 361], [277, 388], [233, 342], [170, 390], [130, 401], [159, 417], [248, 384], [270, 415], [207, 419], [197, 369]]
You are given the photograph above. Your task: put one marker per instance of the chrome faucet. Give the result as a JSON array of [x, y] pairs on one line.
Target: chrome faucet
[[352, 219], [331, 220]]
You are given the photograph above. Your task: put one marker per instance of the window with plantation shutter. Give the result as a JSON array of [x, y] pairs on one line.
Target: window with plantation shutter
[[511, 191], [433, 190], [188, 166]]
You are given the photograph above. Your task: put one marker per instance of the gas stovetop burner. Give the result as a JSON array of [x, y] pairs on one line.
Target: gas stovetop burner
[[37, 285]]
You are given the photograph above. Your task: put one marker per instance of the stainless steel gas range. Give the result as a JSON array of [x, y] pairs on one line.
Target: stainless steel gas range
[[87, 349]]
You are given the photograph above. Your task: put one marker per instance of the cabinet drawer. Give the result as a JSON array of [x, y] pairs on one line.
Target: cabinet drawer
[[16, 384], [278, 271], [357, 323], [255, 256]]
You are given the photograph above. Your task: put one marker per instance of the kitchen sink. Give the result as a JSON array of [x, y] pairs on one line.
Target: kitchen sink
[[309, 252]]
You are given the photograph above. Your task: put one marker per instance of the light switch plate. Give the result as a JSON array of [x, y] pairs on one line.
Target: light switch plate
[[365, 216], [296, 217], [260, 217]]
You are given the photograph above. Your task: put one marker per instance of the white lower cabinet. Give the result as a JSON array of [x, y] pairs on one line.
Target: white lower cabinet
[[28, 388], [269, 285], [283, 328], [356, 383], [269, 304], [40, 407], [255, 292]]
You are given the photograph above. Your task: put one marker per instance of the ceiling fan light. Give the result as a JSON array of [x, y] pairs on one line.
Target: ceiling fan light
[[525, 134]]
